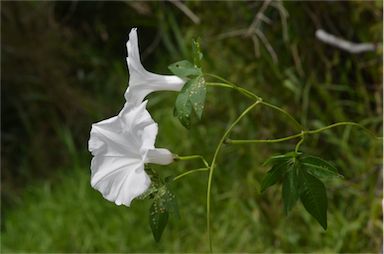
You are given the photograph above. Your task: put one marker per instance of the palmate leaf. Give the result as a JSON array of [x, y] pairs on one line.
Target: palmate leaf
[[314, 198], [197, 55], [191, 98], [279, 158], [299, 174], [184, 69], [183, 108], [291, 187], [170, 202], [158, 218], [318, 167], [164, 203], [274, 175]]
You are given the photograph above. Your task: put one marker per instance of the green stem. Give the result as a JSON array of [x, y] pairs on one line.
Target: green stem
[[299, 143], [191, 157], [340, 124], [212, 167], [218, 84], [189, 172], [251, 95], [237, 88], [219, 78], [285, 113], [239, 141], [277, 140]]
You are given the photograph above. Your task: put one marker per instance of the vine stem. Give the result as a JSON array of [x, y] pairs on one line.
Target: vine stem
[[212, 168], [284, 112], [301, 134], [342, 123], [189, 172], [299, 143], [251, 95], [191, 157]]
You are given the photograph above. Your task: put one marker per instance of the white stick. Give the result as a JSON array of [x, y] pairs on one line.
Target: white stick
[[351, 47]]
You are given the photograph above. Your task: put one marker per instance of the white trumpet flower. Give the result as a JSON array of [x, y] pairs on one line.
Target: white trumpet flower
[[142, 82], [121, 145]]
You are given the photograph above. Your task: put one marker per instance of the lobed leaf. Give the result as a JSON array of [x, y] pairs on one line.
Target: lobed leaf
[[279, 158], [314, 198], [299, 173], [274, 175], [191, 97], [170, 202], [184, 69], [183, 108], [319, 167], [291, 188], [197, 55], [158, 218]]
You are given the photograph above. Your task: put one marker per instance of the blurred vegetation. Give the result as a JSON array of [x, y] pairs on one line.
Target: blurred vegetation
[[63, 68]]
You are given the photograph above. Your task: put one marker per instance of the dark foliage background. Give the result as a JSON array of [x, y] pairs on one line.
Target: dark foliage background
[[63, 68]]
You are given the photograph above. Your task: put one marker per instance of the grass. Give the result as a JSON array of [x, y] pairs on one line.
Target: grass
[[67, 215], [76, 75]]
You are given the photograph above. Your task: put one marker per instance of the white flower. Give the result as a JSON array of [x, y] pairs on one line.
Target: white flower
[[142, 82], [120, 146]]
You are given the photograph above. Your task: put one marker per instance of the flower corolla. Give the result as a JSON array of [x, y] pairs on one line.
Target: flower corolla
[[141, 81], [123, 144]]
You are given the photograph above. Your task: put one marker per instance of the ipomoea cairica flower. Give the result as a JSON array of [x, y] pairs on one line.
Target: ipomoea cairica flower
[[142, 82], [121, 145]]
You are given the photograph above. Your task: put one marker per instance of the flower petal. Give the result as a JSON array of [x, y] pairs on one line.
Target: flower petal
[[107, 138], [142, 82], [119, 179], [121, 145]]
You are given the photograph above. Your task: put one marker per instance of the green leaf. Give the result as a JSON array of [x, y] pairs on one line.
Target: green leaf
[[279, 158], [318, 167], [314, 198], [149, 193], [164, 204], [274, 175], [197, 55], [183, 108], [170, 202], [291, 188], [158, 218], [197, 93], [299, 173], [191, 97], [184, 69]]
